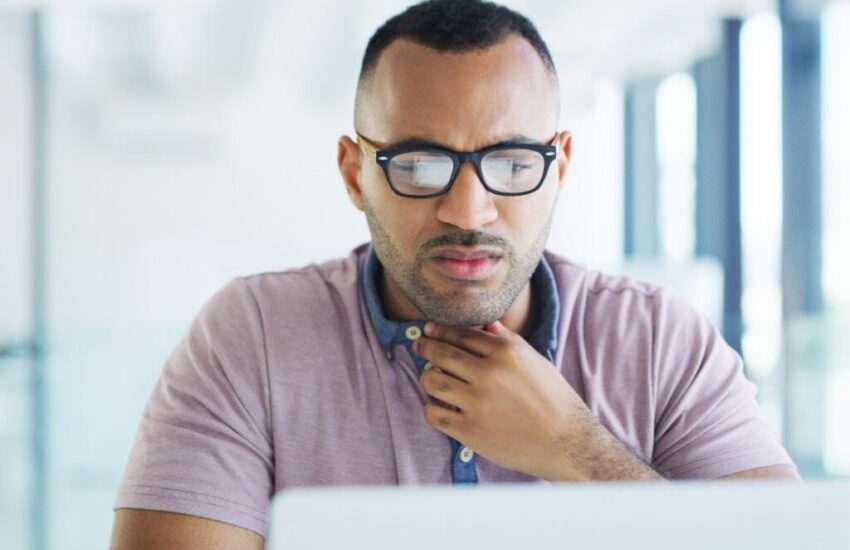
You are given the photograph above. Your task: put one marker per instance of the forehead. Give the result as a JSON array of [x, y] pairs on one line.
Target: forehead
[[462, 100]]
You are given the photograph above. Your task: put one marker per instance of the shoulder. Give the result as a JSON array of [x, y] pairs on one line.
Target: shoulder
[[288, 296], [620, 311], [309, 300], [575, 276], [596, 290], [307, 281]]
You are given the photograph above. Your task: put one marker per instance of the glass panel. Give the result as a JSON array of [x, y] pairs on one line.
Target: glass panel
[[676, 145], [15, 137], [761, 206], [15, 406], [836, 233], [16, 481]]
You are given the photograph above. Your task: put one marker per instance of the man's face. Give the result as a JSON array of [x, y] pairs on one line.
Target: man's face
[[463, 102]]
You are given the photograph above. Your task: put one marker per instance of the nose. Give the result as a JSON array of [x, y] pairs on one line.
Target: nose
[[468, 205]]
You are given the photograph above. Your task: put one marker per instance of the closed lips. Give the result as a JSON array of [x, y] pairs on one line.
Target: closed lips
[[466, 256]]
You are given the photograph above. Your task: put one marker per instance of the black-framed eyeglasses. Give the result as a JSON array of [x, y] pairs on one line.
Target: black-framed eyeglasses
[[421, 172]]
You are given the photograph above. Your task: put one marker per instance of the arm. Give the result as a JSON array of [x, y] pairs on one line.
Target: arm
[[779, 472], [203, 447], [142, 529]]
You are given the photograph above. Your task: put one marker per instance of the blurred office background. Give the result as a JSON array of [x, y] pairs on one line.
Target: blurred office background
[[152, 150]]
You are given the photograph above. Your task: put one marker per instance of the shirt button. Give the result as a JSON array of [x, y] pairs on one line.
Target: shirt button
[[413, 332], [466, 454]]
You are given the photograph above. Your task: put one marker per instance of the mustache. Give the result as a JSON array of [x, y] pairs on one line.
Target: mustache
[[466, 238]]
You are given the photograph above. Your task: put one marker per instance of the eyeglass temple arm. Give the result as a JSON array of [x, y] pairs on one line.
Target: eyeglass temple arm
[[367, 146]]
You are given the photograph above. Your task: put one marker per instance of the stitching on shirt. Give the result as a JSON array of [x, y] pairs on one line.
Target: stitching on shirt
[[725, 458], [606, 286], [268, 396], [653, 371], [204, 498], [612, 290], [298, 270]]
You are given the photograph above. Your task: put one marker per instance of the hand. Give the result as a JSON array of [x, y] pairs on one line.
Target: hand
[[515, 408], [495, 394]]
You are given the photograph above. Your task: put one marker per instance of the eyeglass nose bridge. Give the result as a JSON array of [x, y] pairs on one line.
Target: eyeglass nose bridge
[[472, 158], [468, 157]]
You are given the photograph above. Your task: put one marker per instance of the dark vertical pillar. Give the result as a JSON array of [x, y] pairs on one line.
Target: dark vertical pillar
[[802, 298], [39, 279], [641, 231], [718, 193]]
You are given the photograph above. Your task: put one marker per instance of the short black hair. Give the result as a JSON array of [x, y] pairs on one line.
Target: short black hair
[[454, 26]]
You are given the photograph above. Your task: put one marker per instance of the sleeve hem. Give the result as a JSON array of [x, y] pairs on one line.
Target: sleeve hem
[[715, 467], [192, 504]]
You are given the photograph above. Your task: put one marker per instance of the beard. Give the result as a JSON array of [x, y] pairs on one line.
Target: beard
[[464, 307]]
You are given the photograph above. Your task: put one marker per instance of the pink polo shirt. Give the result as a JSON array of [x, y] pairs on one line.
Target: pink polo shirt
[[281, 381]]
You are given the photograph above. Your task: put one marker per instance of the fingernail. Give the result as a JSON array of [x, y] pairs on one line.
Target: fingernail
[[429, 328]]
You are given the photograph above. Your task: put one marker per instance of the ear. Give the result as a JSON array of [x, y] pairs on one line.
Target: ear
[[348, 160], [565, 151]]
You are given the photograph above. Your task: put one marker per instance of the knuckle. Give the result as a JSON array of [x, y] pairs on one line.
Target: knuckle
[[435, 382], [433, 415], [427, 380], [442, 355], [423, 346]]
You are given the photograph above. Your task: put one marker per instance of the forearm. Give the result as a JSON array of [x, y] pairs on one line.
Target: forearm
[[589, 452]]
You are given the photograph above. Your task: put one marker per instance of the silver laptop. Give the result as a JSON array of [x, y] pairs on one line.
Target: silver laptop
[[683, 515]]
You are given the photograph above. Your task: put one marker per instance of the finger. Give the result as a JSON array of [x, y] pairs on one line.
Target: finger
[[498, 329], [444, 404], [446, 388], [447, 421], [473, 340], [449, 358]]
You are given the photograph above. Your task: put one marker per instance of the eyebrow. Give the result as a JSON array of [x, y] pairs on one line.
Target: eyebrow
[[516, 139]]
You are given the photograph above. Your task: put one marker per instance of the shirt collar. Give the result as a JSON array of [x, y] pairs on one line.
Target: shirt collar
[[544, 338]]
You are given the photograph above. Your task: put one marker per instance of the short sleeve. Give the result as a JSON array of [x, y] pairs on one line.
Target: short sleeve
[[204, 447], [707, 421]]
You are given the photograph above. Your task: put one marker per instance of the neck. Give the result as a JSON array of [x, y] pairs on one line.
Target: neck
[[519, 318]]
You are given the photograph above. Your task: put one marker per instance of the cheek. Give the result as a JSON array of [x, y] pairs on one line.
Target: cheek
[[526, 216], [405, 221]]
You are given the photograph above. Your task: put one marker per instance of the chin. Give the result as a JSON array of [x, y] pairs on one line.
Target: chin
[[460, 322]]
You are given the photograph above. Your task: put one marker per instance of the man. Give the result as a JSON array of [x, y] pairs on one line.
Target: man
[[528, 368]]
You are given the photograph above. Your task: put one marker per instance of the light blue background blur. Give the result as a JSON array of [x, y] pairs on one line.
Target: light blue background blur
[[188, 142]]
